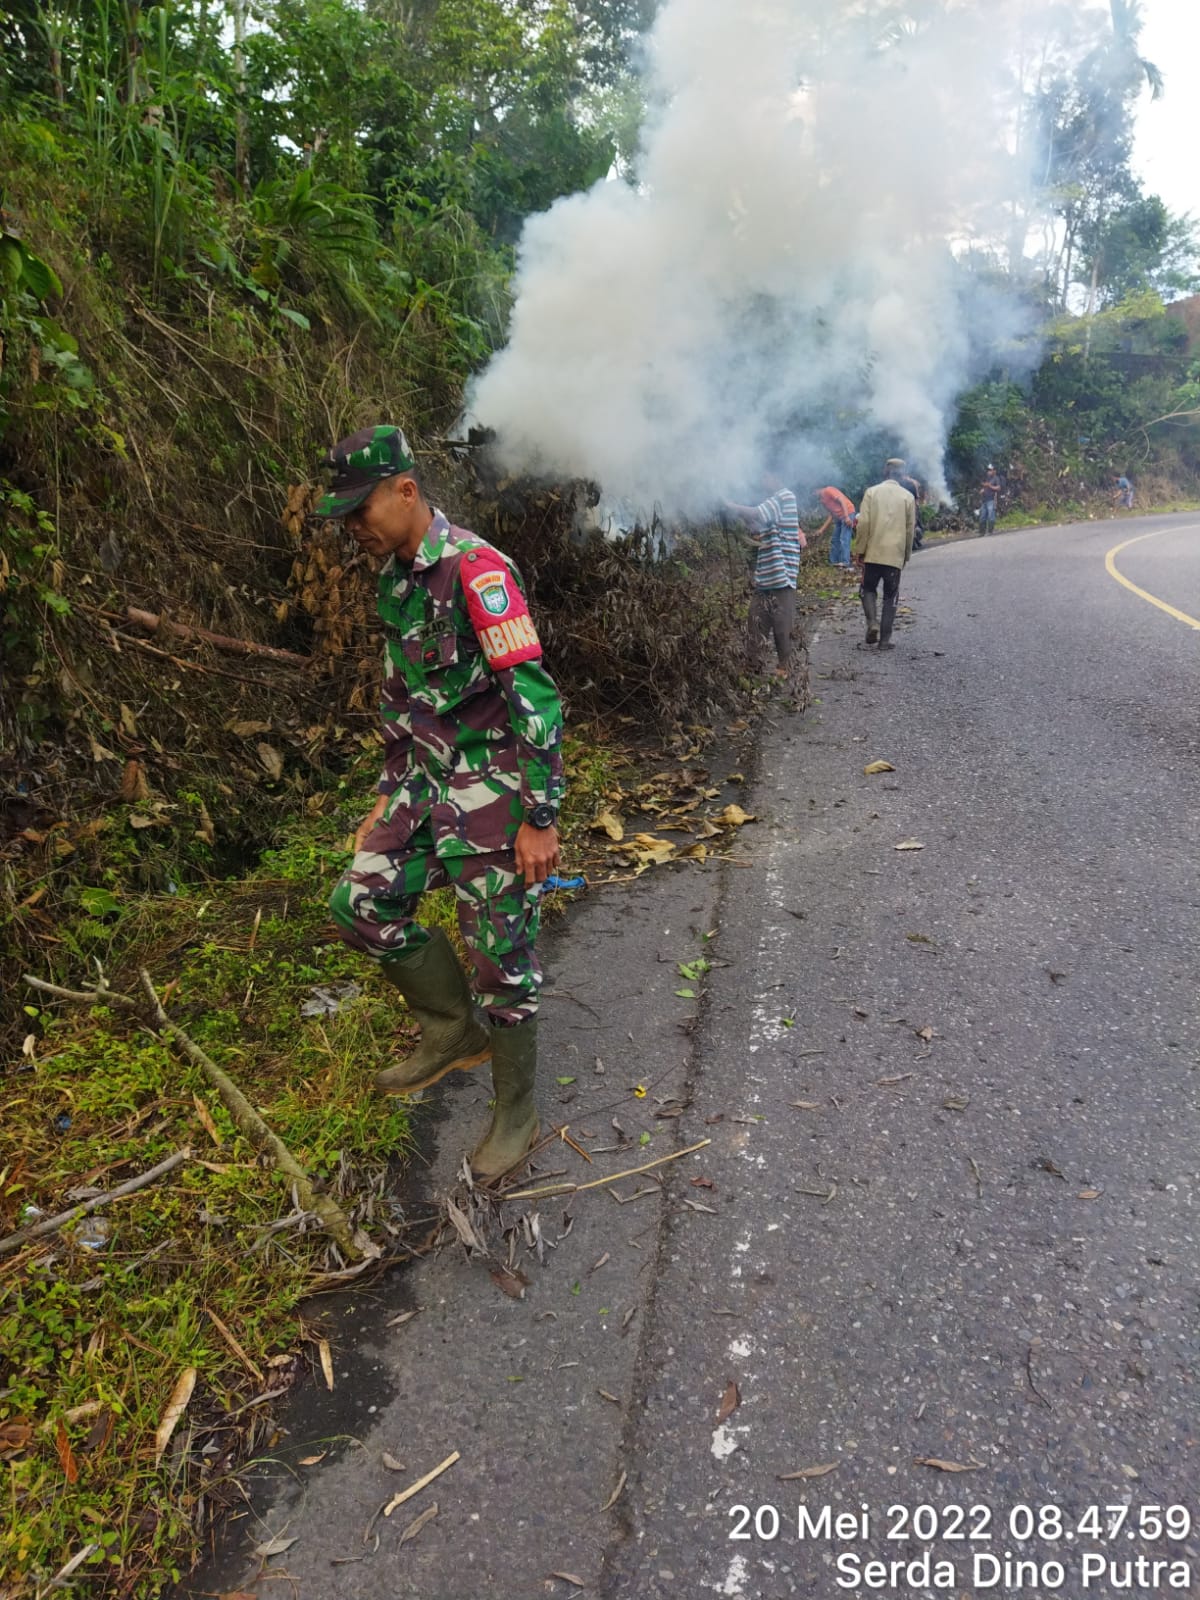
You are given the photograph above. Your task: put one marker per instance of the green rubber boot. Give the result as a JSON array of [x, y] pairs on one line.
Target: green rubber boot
[[514, 1125], [435, 987], [887, 622], [870, 611]]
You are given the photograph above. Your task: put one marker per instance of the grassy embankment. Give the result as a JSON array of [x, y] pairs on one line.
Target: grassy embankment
[[99, 1321]]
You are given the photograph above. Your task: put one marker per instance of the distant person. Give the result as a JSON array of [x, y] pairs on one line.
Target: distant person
[[1124, 492], [989, 494], [883, 544], [778, 541], [914, 488], [841, 518]]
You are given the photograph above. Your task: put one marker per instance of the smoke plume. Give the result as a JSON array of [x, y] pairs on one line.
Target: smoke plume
[[781, 275]]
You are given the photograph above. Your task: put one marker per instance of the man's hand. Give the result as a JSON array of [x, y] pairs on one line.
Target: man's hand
[[537, 853], [368, 822]]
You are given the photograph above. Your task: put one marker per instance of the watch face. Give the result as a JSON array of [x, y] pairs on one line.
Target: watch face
[[543, 816]]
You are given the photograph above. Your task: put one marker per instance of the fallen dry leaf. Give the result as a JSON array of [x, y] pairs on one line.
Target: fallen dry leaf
[[462, 1227], [729, 1404], [206, 831], [418, 1523], [405, 1316], [734, 817], [876, 767], [391, 1463], [176, 1406], [273, 1547], [956, 1102], [1090, 1194], [806, 1105], [909, 844], [271, 760], [569, 1577], [648, 850], [810, 1472], [925, 1034], [206, 1121], [949, 1466], [616, 1494], [66, 1456], [514, 1284], [133, 782], [246, 730], [99, 1433], [15, 1436], [311, 1461], [326, 1355], [608, 822]]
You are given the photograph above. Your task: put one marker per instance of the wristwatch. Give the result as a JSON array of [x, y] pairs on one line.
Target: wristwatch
[[541, 816]]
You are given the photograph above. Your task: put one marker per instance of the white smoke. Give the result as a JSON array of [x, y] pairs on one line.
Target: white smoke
[[782, 273]]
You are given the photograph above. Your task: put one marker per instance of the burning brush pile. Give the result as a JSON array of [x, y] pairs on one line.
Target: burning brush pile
[[648, 622]]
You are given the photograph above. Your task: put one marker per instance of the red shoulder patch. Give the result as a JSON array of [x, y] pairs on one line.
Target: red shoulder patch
[[498, 611]]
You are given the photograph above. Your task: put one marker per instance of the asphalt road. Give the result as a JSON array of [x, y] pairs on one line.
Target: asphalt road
[[976, 1239], [950, 1211]]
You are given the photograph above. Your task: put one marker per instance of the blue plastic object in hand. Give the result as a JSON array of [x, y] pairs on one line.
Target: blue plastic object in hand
[[555, 882]]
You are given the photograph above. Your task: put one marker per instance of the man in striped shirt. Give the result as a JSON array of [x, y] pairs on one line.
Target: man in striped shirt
[[776, 536]]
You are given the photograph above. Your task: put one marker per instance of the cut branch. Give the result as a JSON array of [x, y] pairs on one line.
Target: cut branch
[[601, 1183], [246, 1118], [38, 1230], [152, 622]]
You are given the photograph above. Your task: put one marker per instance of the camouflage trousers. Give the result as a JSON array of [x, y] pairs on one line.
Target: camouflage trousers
[[375, 903]]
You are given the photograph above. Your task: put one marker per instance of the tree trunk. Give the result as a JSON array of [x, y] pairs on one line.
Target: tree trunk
[[241, 160], [1091, 310]]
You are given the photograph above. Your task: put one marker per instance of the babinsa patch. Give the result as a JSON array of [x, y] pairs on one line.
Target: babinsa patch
[[498, 612]]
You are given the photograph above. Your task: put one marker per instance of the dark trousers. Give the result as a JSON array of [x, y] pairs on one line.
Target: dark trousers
[[872, 572], [772, 611]]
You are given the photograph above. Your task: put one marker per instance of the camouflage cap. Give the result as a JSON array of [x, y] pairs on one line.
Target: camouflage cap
[[359, 463]]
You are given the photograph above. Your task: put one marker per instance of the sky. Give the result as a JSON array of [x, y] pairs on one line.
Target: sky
[[1168, 130]]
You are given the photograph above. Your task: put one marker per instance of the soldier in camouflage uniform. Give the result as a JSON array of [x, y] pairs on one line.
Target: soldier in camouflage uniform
[[469, 796]]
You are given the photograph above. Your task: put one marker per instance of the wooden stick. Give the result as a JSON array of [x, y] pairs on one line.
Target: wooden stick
[[38, 1230], [152, 622], [421, 1483], [247, 1119], [256, 1130], [600, 1183]]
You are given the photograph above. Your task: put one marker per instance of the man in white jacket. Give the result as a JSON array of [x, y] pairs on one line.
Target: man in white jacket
[[883, 543]]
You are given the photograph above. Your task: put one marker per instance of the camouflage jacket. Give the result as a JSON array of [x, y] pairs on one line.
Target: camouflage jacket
[[472, 723]]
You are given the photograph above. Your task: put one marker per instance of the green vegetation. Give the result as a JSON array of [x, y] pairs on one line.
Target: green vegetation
[[99, 1321]]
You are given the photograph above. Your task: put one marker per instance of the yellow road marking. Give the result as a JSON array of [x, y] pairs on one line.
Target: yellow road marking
[[1110, 562]]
